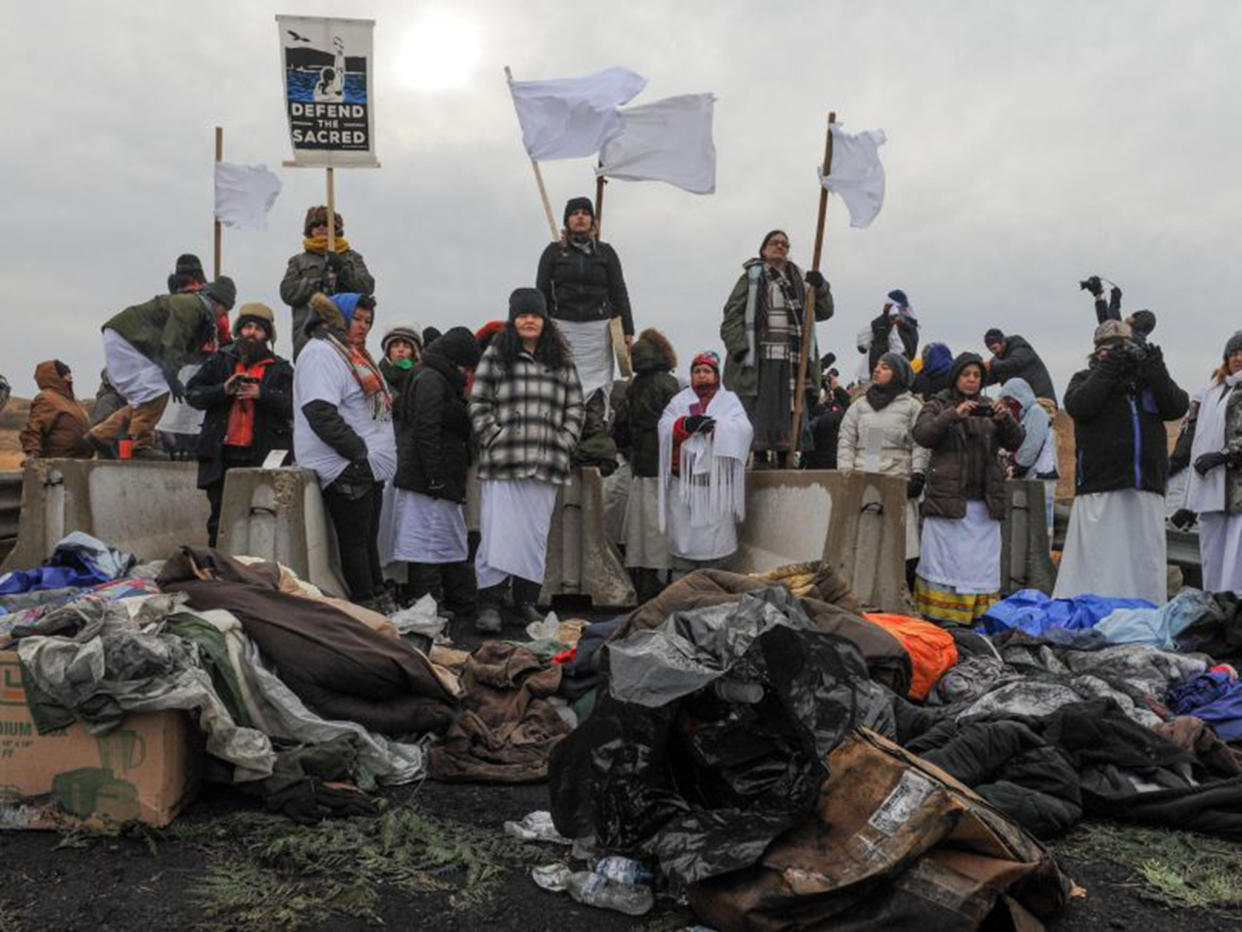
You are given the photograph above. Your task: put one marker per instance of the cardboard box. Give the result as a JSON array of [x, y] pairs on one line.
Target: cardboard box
[[143, 770]]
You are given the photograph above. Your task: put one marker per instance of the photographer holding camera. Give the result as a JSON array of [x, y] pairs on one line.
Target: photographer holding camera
[[1141, 323], [958, 576], [246, 391], [1115, 545]]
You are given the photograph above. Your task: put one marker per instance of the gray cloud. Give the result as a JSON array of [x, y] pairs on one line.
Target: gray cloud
[[1029, 145]]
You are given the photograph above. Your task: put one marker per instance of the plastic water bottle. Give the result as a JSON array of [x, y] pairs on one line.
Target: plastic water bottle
[[624, 870], [594, 889]]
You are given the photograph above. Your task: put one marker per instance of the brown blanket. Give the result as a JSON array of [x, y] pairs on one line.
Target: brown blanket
[[338, 666], [506, 728], [828, 602]]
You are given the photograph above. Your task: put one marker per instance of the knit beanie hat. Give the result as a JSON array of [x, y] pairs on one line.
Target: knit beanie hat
[[187, 271], [707, 358], [578, 203], [1112, 331], [410, 334], [994, 336], [527, 301], [318, 217], [222, 291], [1143, 322], [1233, 344], [458, 346], [903, 374], [256, 313], [430, 335], [898, 297]]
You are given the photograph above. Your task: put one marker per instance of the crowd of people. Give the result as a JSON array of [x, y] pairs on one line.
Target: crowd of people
[[440, 464]]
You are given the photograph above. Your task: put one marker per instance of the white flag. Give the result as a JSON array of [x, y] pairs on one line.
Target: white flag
[[668, 140], [568, 118], [857, 174], [244, 195]]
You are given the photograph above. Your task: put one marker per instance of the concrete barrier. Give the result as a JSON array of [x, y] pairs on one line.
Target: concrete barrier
[[278, 514], [855, 521], [145, 508], [581, 558], [10, 509], [1025, 559]]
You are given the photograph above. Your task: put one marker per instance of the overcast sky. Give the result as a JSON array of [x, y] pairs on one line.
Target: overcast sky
[[1030, 144]]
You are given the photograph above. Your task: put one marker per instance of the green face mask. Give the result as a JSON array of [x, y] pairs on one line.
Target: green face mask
[[403, 364]]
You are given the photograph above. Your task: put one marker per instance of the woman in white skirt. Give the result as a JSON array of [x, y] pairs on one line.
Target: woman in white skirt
[[526, 410], [433, 444], [958, 576], [877, 436], [1215, 490]]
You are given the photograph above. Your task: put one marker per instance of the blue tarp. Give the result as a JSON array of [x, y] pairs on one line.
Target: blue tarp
[[1157, 627], [78, 560], [1215, 697], [1033, 612]]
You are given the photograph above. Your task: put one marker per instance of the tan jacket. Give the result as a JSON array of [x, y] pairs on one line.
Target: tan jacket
[[899, 455], [58, 423]]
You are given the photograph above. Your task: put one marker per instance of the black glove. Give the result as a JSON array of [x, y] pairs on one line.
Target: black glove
[[1209, 461], [175, 389], [1152, 363], [914, 485], [332, 263], [694, 423], [1183, 518], [815, 280]]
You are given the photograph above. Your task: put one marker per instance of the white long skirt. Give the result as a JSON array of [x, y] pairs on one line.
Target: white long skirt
[[962, 552], [514, 522], [1115, 547], [646, 546], [591, 343], [136, 378], [1220, 551], [712, 541], [428, 530]]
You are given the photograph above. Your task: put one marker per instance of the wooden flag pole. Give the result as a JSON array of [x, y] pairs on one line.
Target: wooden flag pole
[[808, 320], [543, 191], [600, 181], [331, 210], [218, 235]]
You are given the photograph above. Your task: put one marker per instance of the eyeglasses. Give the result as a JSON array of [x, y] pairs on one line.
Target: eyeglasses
[[779, 242]]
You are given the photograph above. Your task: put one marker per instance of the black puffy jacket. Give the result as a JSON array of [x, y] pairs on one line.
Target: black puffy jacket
[[1020, 361], [1119, 412], [637, 418], [579, 286], [433, 431]]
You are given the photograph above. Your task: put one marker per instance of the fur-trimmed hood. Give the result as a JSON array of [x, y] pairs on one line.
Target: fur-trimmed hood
[[652, 352], [323, 312]]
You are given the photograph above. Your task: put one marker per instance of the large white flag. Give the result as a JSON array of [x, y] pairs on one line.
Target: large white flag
[[244, 195], [668, 140], [568, 118], [857, 175]]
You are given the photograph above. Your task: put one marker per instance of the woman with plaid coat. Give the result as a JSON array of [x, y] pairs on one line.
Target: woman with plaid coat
[[526, 411]]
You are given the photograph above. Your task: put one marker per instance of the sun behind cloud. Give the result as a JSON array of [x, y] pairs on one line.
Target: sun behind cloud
[[440, 52]]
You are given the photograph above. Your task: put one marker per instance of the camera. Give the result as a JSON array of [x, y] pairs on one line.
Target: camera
[[1092, 284], [1129, 351], [982, 408]]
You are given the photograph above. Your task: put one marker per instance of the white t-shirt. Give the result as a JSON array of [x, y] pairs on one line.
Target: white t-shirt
[[322, 375]]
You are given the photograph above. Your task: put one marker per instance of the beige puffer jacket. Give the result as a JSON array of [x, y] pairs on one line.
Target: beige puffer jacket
[[899, 455]]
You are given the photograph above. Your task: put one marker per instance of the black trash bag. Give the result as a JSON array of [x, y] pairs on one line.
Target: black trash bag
[[712, 735]]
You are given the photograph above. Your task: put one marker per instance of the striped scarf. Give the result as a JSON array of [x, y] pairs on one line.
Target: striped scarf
[[366, 374]]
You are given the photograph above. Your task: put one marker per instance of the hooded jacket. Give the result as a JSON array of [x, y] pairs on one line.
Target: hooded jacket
[[739, 378], [433, 430], [1119, 413], [1035, 423], [1020, 361], [934, 376], [168, 329], [637, 419], [273, 411], [57, 424], [964, 452]]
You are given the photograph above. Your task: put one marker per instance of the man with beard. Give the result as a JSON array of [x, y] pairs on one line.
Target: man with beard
[[705, 440], [246, 392]]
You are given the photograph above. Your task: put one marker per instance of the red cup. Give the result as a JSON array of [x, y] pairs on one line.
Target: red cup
[[126, 448]]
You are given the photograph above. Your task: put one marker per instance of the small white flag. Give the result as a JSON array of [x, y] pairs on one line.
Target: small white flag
[[244, 195], [668, 140], [857, 175], [568, 118]]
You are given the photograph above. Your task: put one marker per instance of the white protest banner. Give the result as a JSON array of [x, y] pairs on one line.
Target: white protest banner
[[668, 140], [857, 174], [244, 195], [566, 118], [329, 69]]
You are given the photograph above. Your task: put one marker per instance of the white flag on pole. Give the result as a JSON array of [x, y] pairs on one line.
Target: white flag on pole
[[668, 140], [857, 175], [244, 195], [567, 118]]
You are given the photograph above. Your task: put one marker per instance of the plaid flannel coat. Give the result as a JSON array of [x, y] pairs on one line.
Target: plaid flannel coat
[[526, 421]]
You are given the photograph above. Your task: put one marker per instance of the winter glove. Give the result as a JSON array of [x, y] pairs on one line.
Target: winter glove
[[332, 263], [914, 485], [693, 423], [1209, 461], [175, 389], [815, 280], [1183, 518], [708, 425], [1152, 364]]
